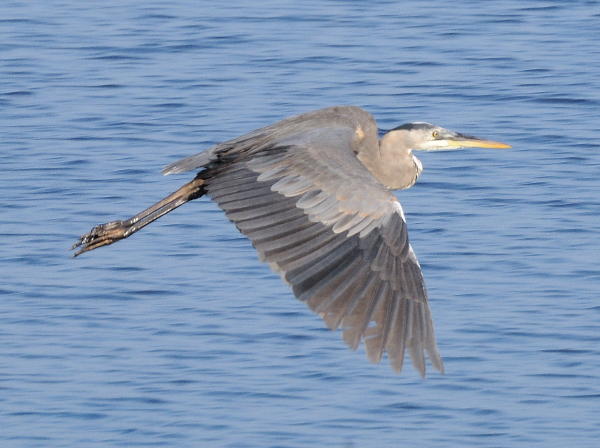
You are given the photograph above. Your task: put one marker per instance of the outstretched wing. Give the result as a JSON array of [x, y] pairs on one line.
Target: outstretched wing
[[335, 234]]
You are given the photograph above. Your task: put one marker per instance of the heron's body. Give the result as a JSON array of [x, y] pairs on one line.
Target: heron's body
[[312, 192]]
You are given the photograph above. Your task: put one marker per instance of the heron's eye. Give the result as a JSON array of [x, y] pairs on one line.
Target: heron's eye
[[435, 134]]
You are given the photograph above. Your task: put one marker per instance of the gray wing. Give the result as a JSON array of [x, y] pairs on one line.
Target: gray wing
[[336, 235]]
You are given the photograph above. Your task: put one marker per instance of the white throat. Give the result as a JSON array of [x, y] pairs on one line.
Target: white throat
[[418, 164]]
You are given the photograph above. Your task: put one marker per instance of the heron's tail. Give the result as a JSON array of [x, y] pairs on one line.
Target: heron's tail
[[105, 234]]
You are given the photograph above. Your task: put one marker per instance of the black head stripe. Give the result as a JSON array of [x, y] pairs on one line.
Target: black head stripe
[[413, 126]]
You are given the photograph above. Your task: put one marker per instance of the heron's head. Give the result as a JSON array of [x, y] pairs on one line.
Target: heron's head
[[429, 137]]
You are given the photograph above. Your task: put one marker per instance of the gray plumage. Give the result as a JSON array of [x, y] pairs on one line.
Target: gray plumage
[[312, 193]]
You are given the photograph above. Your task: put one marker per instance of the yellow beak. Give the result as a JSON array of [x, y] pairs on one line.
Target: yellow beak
[[472, 142]]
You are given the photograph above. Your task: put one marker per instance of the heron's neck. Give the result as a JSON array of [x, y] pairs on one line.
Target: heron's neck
[[393, 165]]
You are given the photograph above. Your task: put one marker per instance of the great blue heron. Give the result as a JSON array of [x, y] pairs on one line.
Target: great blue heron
[[312, 192]]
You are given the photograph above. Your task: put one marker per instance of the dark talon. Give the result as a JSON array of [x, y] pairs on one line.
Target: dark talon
[[101, 235]]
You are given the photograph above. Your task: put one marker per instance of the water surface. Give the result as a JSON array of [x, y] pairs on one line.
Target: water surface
[[179, 337]]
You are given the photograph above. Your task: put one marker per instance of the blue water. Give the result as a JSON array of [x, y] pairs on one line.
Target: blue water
[[178, 337]]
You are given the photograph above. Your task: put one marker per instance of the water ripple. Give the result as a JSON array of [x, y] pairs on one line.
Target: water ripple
[[179, 337]]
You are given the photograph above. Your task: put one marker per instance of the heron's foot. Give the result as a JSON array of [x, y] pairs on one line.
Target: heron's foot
[[102, 235]]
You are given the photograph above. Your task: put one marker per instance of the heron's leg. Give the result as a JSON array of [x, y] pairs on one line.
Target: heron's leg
[[105, 234]]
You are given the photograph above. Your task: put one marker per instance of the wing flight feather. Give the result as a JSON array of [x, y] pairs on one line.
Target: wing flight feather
[[333, 232]]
